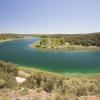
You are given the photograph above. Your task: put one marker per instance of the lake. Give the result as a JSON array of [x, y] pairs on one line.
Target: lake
[[20, 52]]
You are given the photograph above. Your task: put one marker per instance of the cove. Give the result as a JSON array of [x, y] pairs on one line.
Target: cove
[[20, 52]]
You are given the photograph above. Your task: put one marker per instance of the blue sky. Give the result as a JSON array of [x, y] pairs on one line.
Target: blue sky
[[49, 16]]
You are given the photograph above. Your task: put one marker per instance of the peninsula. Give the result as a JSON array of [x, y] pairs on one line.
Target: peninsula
[[69, 42]]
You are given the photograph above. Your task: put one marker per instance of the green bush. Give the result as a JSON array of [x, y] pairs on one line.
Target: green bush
[[8, 72], [2, 83], [8, 68], [64, 86]]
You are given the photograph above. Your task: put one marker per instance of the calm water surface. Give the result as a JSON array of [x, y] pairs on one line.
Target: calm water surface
[[20, 52]]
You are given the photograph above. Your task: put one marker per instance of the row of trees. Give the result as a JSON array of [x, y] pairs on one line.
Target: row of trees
[[52, 42]]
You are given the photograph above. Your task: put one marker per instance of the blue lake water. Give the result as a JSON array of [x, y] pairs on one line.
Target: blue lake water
[[20, 52]]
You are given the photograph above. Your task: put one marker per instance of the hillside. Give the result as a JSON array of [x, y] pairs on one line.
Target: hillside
[[81, 39], [40, 85]]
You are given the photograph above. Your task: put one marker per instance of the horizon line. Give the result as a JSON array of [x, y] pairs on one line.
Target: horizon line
[[47, 33]]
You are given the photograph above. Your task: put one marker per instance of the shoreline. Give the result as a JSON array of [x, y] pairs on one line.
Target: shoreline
[[7, 40], [65, 50], [53, 49], [72, 74]]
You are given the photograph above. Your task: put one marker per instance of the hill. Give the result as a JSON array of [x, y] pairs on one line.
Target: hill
[[39, 85]]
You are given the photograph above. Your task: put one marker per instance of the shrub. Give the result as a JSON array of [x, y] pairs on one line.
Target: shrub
[[2, 83], [8, 71]]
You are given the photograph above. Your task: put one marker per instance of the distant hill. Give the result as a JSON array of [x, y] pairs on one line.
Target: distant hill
[[9, 36], [81, 39], [89, 39]]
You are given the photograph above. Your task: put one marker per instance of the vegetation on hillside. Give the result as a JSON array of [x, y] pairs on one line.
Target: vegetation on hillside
[[8, 72], [92, 39], [73, 86], [40, 35], [59, 87], [9, 36]]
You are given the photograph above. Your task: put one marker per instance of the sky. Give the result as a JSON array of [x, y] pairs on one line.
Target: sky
[[49, 16]]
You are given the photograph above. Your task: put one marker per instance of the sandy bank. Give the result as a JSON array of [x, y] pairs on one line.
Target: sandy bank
[[6, 40]]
